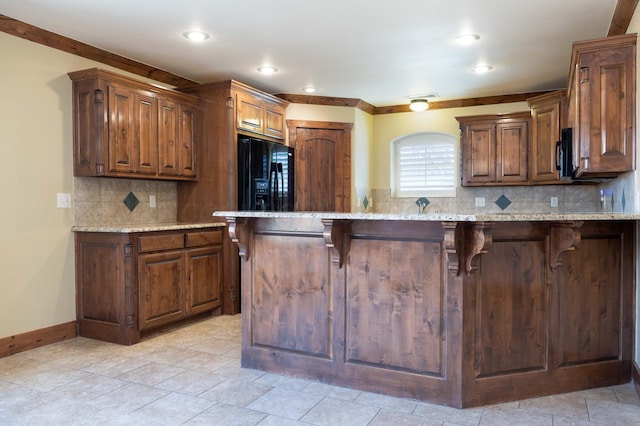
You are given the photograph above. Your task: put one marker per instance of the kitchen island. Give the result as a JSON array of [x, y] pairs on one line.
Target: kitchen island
[[461, 310]]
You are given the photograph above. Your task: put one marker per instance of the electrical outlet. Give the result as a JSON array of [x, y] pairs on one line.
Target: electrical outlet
[[64, 200], [152, 201], [479, 201], [554, 201]]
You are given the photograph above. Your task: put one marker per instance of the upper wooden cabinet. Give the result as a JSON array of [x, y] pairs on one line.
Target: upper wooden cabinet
[[126, 128], [495, 149], [602, 96], [548, 117], [256, 114]]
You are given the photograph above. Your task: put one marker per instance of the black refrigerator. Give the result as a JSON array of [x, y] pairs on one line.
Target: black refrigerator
[[265, 175]]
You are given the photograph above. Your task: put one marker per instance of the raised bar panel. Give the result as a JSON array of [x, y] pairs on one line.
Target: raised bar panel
[[395, 311], [590, 301], [291, 293], [511, 310]]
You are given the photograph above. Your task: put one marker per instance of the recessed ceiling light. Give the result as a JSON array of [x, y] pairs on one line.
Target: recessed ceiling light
[[267, 69], [481, 69], [195, 35], [465, 39], [309, 89]]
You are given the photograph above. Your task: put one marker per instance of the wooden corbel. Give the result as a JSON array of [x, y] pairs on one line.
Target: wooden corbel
[[477, 240], [452, 245], [239, 233], [464, 242], [334, 231], [564, 236]]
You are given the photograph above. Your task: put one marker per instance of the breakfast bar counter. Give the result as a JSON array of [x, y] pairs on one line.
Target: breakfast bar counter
[[460, 310]]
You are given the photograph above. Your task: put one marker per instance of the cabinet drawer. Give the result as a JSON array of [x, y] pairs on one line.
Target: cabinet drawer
[[203, 238], [160, 242]]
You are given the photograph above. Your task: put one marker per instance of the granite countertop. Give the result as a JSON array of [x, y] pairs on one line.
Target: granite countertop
[[146, 227], [446, 217]]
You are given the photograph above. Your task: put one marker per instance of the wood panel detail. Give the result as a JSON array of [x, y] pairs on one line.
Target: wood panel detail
[[395, 313], [461, 314], [291, 306]]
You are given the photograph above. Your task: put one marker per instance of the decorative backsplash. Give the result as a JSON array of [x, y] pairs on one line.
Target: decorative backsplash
[[508, 199], [105, 201]]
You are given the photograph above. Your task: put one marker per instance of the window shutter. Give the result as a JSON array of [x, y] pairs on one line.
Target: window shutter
[[425, 166]]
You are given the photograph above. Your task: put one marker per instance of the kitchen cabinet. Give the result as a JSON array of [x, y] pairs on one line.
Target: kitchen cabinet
[[176, 137], [258, 115], [228, 109], [548, 117], [129, 283], [126, 128], [602, 96], [495, 149]]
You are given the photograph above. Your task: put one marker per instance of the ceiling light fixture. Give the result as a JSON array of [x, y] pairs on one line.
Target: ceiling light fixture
[[195, 35], [267, 69], [465, 39], [309, 89], [419, 105], [481, 69]]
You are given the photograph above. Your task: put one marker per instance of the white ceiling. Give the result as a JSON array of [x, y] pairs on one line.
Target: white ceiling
[[380, 51]]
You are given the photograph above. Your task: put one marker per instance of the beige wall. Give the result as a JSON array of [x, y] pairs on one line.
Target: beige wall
[[37, 278]]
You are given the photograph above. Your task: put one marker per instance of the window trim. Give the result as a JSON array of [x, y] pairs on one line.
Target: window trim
[[423, 138]]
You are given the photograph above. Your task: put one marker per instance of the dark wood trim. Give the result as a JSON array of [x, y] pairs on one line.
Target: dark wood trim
[[468, 102], [328, 101], [56, 41], [622, 17], [37, 338], [636, 377]]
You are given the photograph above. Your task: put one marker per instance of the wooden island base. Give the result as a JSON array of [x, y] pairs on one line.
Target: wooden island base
[[454, 313]]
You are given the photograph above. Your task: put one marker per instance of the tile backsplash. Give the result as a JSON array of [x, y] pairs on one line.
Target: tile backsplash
[[101, 201], [575, 198]]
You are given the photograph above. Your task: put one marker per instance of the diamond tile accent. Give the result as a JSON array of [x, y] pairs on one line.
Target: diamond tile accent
[[624, 201], [365, 202], [131, 201], [503, 202]]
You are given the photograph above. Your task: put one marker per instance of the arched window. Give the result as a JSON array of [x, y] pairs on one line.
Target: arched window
[[423, 164]]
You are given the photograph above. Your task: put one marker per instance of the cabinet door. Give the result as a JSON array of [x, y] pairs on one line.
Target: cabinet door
[[204, 278], [547, 119], [121, 154], [606, 110], [187, 141], [478, 153], [161, 280], [274, 122], [168, 138], [145, 111], [249, 113], [511, 151]]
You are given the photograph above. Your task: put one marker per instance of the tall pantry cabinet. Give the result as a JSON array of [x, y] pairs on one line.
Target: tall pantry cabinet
[[229, 109]]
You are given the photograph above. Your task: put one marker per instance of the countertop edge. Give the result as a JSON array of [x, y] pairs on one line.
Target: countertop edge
[[444, 217], [126, 229]]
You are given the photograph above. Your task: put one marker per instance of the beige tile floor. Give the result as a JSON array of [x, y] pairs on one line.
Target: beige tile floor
[[192, 375]]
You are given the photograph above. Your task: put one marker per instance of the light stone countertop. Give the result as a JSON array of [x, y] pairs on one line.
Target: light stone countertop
[[445, 217], [125, 229]]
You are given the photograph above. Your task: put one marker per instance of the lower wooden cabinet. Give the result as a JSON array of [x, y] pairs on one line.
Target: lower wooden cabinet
[[128, 283]]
